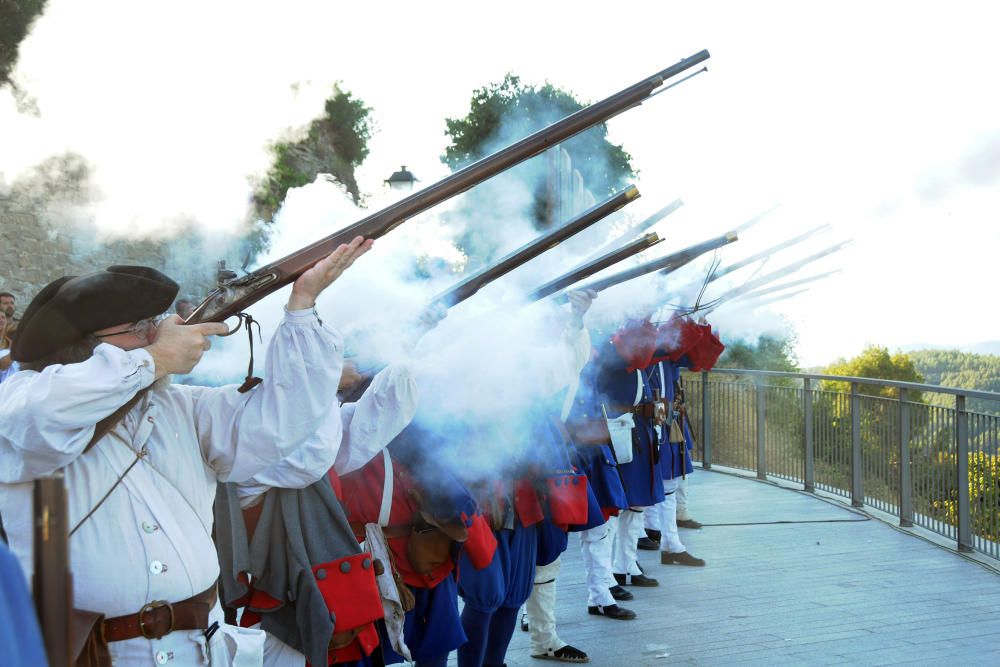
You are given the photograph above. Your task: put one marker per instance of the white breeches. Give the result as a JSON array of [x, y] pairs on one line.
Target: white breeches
[[682, 500], [595, 547], [651, 517], [670, 540], [624, 554], [541, 608]]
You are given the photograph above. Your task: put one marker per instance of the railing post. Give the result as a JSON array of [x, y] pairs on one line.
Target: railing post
[[810, 471], [857, 487], [761, 431], [905, 474], [706, 424], [964, 518]]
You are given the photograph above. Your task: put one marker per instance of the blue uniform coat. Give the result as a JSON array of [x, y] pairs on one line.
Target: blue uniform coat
[[606, 381]]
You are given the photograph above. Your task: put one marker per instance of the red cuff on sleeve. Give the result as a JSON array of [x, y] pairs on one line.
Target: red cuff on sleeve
[[482, 543], [348, 587], [529, 510]]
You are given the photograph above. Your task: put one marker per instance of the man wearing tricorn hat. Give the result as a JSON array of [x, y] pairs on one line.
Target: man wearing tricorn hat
[[142, 458]]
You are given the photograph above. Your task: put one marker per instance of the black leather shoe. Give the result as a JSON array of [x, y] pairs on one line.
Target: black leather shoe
[[524, 623], [640, 580], [683, 558], [653, 534], [612, 611], [647, 544], [688, 523], [619, 593]]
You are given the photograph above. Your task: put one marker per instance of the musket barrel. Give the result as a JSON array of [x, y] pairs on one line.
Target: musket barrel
[[764, 291], [641, 227], [473, 283], [594, 266], [53, 584], [233, 297], [761, 302], [767, 253], [781, 273], [667, 263]]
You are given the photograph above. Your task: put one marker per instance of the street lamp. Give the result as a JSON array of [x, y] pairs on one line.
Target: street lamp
[[402, 180]]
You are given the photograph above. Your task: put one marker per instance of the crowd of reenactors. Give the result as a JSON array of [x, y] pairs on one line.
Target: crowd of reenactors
[[313, 518]]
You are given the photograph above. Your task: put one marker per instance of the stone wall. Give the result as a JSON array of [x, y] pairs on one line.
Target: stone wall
[[34, 251]]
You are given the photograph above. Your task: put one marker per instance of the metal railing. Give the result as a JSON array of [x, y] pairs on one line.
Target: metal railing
[[926, 454]]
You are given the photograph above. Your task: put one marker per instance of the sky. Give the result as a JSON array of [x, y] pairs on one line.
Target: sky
[[879, 119]]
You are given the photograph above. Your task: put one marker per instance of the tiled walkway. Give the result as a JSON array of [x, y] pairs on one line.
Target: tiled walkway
[[838, 589]]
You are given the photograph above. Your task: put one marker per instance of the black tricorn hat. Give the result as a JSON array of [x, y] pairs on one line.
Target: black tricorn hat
[[69, 308]]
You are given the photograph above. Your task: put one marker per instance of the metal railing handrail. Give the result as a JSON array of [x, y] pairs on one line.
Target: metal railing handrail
[[888, 437], [915, 386]]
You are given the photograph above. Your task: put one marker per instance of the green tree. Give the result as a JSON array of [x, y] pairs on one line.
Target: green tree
[[502, 113], [875, 362], [16, 17], [335, 143], [769, 353], [951, 368]]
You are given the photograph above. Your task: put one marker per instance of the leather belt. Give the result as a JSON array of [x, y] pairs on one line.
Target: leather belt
[[159, 618], [645, 409]]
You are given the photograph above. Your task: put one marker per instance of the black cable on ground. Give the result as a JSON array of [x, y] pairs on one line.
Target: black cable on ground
[[789, 521]]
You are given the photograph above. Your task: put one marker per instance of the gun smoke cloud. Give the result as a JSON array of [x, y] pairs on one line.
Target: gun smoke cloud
[[172, 122]]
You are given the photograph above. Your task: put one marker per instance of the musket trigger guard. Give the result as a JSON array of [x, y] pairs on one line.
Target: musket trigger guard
[[232, 330]]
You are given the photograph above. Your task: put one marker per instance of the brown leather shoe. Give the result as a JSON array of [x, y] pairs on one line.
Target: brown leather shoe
[[612, 611], [647, 544], [688, 523], [636, 580], [682, 558], [619, 593]]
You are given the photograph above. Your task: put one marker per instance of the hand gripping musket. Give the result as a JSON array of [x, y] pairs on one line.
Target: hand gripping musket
[[595, 266], [473, 283], [666, 264], [234, 295]]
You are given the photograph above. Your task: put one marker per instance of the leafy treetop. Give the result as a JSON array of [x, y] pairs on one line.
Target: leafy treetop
[[769, 353], [502, 113], [875, 362], [16, 17], [335, 143]]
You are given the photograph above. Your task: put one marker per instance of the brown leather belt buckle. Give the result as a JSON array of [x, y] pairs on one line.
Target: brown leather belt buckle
[[149, 607]]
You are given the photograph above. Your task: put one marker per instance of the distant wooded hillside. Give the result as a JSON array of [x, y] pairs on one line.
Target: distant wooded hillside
[[951, 368]]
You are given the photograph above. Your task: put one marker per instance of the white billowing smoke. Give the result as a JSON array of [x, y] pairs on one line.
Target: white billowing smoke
[[495, 357], [173, 114], [375, 304]]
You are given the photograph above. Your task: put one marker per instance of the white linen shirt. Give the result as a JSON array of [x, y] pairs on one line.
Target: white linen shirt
[[351, 436], [151, 539]]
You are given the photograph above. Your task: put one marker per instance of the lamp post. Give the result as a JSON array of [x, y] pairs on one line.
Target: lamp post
[[402, 180]]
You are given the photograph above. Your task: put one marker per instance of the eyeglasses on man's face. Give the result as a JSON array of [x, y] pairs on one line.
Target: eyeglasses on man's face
[[140, 328]]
